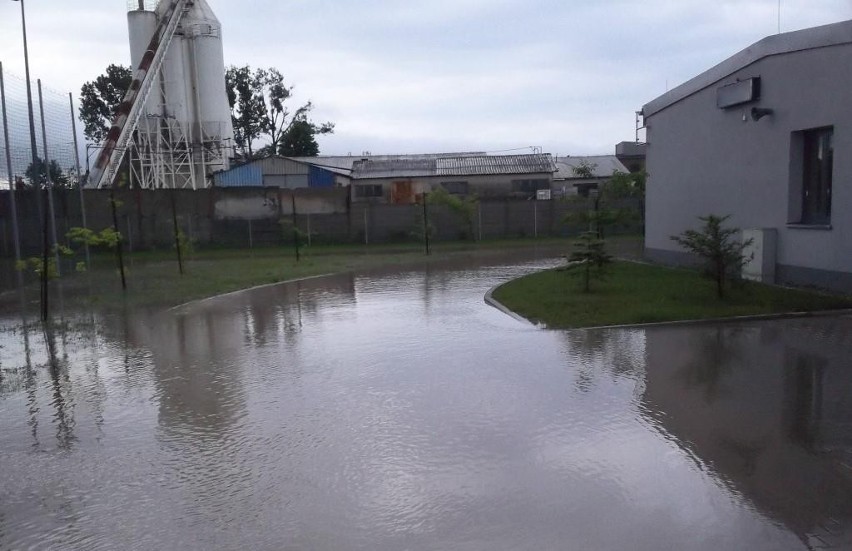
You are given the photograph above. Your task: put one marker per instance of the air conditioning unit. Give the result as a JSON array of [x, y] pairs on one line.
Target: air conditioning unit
[[761, 254]]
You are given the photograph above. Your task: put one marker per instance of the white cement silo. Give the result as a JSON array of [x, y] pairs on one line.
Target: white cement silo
[[203, 36], [188, 101]]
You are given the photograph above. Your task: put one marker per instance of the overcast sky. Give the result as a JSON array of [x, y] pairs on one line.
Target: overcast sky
[[399, 76]]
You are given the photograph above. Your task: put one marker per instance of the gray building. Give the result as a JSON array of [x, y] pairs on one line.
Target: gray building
[[401, 180], [280, 172], [631, 155], [567, 181], [754, 137]]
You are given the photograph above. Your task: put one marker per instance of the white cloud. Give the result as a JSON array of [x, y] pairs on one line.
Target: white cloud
[[472, 74]]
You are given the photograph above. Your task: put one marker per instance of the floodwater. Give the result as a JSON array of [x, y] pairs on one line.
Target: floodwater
[[396, 410]]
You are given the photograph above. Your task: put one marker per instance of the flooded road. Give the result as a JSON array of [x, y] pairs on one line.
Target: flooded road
[[396, 410]]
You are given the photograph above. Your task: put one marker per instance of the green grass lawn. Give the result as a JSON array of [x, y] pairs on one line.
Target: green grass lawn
[[640, 293], [154, 281]]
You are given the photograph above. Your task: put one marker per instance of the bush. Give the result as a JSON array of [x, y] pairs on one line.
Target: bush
[[719, 247]]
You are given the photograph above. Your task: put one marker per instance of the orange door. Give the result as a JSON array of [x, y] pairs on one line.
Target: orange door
[[401, 193]]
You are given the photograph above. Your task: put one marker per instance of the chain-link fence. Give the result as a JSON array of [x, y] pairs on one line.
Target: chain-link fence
[[55, 129]]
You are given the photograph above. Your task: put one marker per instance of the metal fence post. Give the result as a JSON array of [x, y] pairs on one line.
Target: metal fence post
[[51, 214], [12, 201], [366, 225], [79, 180]]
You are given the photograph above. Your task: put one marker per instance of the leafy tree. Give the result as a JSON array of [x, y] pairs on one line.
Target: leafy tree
[[36, 263], [719, 247], [299, 140], [464, 207], [603, 210], [584, 169], [107, 238], [590, 252], [100, 98], [248, 107], [259, 110], [37, 173], [624, 185]]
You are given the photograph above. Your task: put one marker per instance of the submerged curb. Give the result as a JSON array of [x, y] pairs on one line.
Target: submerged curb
[[491, 301], [265, 285], [732, 319]]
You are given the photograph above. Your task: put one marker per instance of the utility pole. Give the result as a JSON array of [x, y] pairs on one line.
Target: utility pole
[[33, 146]]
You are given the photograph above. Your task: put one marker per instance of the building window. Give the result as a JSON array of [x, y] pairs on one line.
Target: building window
[[364, 191], [817, 161], [530, 186], [455, 188]]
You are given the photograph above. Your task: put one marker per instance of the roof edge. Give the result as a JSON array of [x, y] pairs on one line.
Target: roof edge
[[833, 34]]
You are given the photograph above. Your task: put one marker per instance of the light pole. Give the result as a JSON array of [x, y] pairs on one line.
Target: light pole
[[33, 146], [43, 212]]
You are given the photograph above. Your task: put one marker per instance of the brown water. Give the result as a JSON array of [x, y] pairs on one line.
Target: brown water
[[396, 410]]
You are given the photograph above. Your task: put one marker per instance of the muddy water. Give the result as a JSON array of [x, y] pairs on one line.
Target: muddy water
[[397, 411]]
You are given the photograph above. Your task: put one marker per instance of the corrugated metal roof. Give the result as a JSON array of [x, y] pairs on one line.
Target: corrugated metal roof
[[394, 168], [603, 166], [343, 164], [471, 165], [487, 165]]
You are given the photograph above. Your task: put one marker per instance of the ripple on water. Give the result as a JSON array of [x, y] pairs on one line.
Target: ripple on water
[[399, 411]]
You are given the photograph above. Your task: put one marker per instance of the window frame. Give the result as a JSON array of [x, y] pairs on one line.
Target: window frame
[[456, 187], [377, 190], [530, 185], [811, 171]]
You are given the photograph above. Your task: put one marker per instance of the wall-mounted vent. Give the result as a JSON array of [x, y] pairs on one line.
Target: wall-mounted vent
[[740, 92]]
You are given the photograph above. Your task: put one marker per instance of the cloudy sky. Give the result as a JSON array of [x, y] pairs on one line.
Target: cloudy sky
[[398, 76]]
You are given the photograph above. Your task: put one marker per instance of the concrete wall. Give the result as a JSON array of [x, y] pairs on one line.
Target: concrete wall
[[702, 160], [243, 217], [484, 187]]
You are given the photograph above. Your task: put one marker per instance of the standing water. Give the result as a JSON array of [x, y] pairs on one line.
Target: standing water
[[396, 410]]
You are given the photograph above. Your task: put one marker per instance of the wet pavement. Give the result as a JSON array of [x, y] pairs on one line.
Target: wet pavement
[[396, 410]]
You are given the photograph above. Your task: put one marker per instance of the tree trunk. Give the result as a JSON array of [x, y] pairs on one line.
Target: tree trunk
[[720, 281]]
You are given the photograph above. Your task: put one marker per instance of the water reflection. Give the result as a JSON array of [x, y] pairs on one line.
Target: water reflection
[[765, 406], [395, 409]]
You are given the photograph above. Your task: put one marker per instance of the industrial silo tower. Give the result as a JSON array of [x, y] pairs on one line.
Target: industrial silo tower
[[174, 125]]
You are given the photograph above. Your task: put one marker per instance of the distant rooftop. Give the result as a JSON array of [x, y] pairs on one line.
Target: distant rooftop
[[345, 162], [465, 165]]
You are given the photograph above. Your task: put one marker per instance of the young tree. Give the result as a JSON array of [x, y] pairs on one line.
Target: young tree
[[99, 99], [718, 246], [603, 210], [258, 109], [590, 252], [464, 207]]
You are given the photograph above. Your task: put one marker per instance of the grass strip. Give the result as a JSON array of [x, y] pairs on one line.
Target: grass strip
[[154, 281], [633, 293]]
